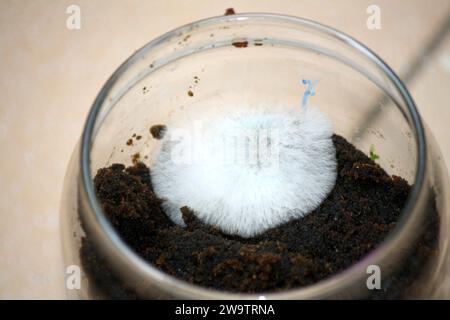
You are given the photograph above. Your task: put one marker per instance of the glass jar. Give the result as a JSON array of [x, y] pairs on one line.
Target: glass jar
[[246, 60]]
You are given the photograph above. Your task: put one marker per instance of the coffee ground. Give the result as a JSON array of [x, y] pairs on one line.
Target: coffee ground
[[359, 212]]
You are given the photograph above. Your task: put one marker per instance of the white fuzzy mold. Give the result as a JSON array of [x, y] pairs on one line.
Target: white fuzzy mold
[[246, 173]]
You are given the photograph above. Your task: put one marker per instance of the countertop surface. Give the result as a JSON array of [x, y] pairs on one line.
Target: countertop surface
[[50, 75]]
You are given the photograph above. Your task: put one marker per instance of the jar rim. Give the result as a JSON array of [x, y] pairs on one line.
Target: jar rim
[[322, 288]]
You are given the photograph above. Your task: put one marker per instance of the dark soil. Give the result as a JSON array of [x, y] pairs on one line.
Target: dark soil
[[363, 207]]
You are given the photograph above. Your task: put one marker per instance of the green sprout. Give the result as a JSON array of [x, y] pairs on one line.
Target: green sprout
[[373, 156]]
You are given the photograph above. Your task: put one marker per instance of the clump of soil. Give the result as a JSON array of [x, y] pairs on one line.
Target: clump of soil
[[240, 44], [363, 207], [157, 131], [229, 12]]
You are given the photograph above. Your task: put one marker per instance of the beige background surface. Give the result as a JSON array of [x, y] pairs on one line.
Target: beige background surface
[[49, 76]]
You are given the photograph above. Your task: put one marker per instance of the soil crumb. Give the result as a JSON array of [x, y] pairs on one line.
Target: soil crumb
[[240, 44], [229, 12], [135, 158], [157, 131]]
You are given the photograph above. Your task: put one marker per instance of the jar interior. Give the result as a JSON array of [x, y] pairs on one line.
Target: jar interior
[[350, 89]]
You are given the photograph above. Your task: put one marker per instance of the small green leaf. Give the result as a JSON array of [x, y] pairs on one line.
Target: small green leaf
[[373, 156]]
